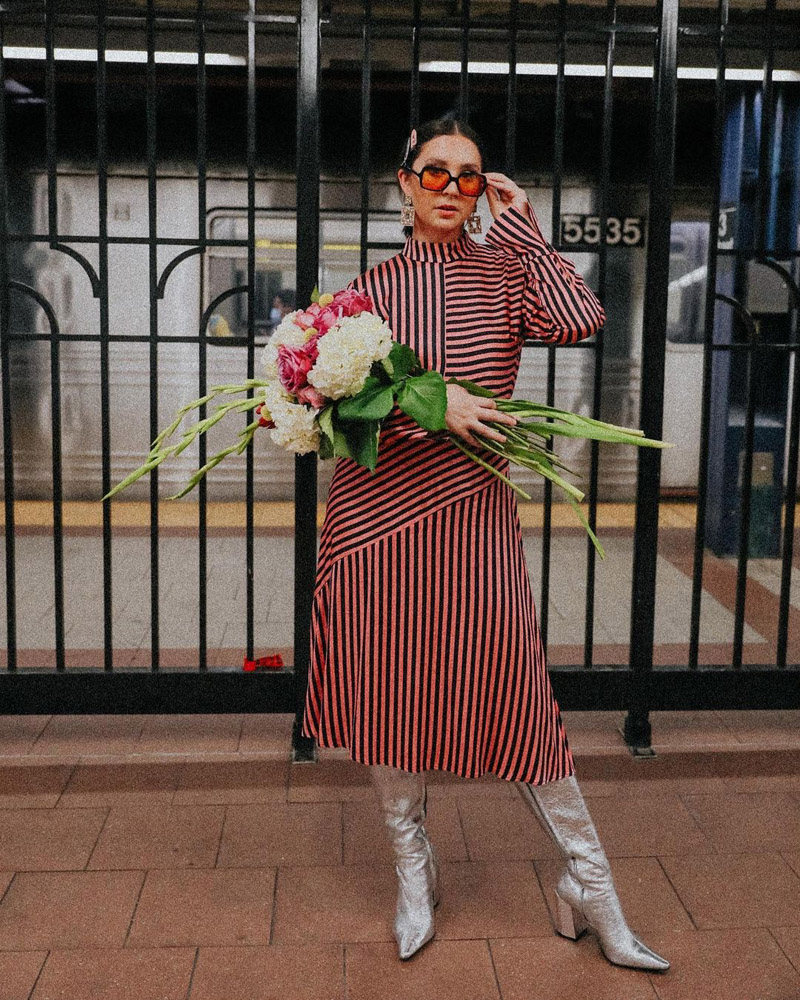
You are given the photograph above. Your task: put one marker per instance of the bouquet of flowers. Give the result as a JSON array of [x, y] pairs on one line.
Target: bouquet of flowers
[[333, 373]]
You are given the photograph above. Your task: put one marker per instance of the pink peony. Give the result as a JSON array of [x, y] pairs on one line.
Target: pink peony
[[306, 318], [294, 364], [351, 302], [308, 394], [326, 318]]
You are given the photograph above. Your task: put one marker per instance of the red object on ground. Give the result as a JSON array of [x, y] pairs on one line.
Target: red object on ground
[[263, 662]]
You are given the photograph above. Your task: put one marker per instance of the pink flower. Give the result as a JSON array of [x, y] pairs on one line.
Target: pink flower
[[307, 318], [294, 364], [326, 318], [351, 302], [308, 394]]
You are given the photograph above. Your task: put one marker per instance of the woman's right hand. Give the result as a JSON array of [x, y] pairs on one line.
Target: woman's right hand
[[466, 412]]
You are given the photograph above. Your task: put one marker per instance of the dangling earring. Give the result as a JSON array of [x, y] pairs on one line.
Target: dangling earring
[[407, 213], [474, 224]]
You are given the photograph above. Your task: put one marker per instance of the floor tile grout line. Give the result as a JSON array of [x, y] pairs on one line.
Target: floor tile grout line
[[73, 769], [96, 839], [135, 910], [190, 985], [771, 932], [270, 940], [35, 983], [221, 835], [678, 896], [494, 968]]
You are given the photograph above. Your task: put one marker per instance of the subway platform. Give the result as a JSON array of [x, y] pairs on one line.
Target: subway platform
[[188, 858]]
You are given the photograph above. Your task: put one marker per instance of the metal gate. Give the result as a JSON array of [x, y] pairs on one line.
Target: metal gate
[[60, 64]]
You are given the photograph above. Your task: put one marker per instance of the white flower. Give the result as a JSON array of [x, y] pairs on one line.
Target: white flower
[[347, 352], [296, 427]]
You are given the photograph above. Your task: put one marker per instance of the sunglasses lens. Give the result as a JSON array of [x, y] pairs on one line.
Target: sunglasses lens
[[434, 179], [471, 185]]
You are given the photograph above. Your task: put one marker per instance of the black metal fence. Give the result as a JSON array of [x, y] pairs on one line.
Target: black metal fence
[[333, 57]]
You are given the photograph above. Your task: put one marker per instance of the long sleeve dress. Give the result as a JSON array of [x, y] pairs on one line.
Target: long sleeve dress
[[425, 648]]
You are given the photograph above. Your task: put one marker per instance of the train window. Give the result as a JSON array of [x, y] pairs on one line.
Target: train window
[[276, 274], [687, 283]]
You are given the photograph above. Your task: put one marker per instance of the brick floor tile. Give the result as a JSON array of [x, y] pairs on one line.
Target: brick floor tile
[[442, 784], [504, 830], [267, 732], [772, 726], [331, 780], [133, 784], [192, 908], [18, 972], [482, 899], [447, 970], [117, 974], [646, 826], [48, 839], [730, 964], [559, 969], [736, 890], [279, 833], [68, 909], [89, 734], [247, 781], [366, 839], [789, 940], [648, 900], [159, 837], [334, 903], [761, 821], [279, 972], [182, 733], [18, 733], [5, 882], [32, 787], [694, 729]]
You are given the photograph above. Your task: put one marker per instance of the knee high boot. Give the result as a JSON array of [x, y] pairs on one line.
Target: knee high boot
[[403, 797], [585, 894]]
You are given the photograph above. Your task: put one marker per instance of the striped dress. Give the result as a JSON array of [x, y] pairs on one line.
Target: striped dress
[[425, 643]]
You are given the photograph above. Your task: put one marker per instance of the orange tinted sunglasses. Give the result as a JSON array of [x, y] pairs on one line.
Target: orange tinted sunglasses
[[469, 182]]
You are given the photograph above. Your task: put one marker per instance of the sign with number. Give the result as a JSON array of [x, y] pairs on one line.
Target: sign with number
[[584, 230], [726, 228]]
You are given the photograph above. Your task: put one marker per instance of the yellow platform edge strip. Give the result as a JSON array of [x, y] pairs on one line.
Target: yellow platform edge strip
[[280, 514]]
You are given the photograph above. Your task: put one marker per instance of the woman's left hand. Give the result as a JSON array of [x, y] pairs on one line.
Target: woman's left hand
[[503, 193]]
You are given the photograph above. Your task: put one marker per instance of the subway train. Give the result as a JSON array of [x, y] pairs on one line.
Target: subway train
[[136, 306]]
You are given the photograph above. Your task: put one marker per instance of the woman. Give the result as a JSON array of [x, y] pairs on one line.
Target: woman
[[426, 651]]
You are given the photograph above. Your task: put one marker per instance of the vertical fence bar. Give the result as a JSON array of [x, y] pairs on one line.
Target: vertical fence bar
[[251, 312], [558, 168], [202, 346], [463, 83], [645, 551], [790, 496], [708, 343], [414, 101], [366, 110], [512, 90], [305, 514], [597, 387], [152, 212], [105, 374], [5, 380]]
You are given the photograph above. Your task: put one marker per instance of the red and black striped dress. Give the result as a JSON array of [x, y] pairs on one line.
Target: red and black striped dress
[[425, 646]]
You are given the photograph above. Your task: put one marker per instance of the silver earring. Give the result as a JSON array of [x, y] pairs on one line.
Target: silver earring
[[407, 212], [474, 224]]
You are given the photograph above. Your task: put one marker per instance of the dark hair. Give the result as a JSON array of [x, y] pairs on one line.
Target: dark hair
[[446, 125]]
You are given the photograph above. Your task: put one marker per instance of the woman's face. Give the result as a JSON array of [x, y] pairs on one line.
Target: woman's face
[[441, 215]]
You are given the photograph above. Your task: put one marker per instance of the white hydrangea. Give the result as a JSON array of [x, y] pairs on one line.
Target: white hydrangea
[[295, 424], [347, 352]]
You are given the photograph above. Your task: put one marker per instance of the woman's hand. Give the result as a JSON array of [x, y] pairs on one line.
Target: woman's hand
[[465, 412], [503, 193]]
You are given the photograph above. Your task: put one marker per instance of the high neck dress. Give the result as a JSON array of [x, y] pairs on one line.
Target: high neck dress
[[425, 647]]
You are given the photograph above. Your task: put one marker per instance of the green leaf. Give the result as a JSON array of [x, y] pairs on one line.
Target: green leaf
[[325, 421], [358, 439], [315, 294], [403, 361], [372, 402], [424, 399]]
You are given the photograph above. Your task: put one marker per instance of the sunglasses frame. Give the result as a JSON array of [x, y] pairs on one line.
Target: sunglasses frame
[[450, 176]]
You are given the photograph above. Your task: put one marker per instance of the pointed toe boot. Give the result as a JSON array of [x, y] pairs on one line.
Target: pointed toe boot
[[585, 893], [403, 798]]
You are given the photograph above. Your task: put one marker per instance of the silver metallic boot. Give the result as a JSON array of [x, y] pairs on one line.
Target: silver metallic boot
[[403, 796], [585, 894]]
